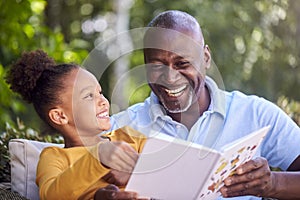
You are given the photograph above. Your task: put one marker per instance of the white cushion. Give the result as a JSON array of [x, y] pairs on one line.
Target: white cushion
[[24, 156]]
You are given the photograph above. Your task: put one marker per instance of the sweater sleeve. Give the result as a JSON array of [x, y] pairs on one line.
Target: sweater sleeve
[[68, 173]]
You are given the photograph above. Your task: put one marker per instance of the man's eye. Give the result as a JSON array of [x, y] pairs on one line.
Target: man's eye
[[182, 64], [157, 66]]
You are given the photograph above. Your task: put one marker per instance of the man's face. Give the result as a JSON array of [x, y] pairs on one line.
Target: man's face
[[176, 68]]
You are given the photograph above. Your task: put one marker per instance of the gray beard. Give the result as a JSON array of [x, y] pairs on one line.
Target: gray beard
[[180, 109]]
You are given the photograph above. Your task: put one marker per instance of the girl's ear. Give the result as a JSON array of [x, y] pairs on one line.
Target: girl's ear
[[57, 116]]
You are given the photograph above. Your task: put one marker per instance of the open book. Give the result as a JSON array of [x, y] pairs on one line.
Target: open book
[[171, 169]]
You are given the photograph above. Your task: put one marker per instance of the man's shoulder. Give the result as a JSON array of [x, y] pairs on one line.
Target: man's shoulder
[[253, 103], [240, 96]]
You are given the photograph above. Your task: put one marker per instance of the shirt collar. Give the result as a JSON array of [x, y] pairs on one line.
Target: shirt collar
[[217, 103], [156, 109], [217, 96]]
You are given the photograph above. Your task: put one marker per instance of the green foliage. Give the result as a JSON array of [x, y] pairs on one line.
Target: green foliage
[[23, 28], [291, 107], [18, 130]]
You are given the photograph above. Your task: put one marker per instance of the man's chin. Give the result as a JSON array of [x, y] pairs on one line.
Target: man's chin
[[175, 108]]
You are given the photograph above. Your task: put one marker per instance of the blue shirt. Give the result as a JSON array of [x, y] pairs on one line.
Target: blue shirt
[[230, 116]]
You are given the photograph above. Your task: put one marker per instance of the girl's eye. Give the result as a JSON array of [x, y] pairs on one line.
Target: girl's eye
[[90, 95]]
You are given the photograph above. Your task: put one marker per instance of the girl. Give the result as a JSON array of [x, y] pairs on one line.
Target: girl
[[70, 100]]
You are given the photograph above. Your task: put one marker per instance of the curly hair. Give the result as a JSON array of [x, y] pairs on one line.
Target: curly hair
[[39, 80]]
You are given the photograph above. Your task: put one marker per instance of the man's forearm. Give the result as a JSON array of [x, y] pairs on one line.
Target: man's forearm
[[287, 185]]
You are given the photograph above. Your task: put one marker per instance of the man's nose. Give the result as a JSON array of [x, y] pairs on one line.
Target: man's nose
[[171, 74]]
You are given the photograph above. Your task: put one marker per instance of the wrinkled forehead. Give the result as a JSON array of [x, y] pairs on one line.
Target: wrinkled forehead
[[179, 42]]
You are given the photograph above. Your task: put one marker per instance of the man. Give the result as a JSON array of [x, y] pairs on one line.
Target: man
[[187, 104]]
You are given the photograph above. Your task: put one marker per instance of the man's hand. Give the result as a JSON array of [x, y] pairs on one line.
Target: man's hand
[[251, 178], [118, 155], [112, 192], [117, 177]]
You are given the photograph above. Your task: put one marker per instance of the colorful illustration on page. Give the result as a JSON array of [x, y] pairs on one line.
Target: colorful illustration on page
[[226, 167]]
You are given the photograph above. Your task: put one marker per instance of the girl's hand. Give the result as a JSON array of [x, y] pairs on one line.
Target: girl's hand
[[118, 155], [117, 177], [113, 192]]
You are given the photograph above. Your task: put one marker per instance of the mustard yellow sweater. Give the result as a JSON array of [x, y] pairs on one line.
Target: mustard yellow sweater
[[75, 173]]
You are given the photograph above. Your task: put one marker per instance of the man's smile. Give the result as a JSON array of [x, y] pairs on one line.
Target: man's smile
[[176, 92]]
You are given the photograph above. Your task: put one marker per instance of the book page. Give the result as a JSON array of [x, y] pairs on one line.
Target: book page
[[171, 169], [234, 154]]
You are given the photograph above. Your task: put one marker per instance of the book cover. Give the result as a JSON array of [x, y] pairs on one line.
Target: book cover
[[170, 168]]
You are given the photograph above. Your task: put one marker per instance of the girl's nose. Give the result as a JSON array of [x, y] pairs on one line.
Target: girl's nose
[[102, 101]]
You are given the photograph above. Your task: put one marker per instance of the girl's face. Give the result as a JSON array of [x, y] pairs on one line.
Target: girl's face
[[87, 108]]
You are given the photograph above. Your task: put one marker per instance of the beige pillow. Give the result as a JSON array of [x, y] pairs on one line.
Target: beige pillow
[[24, 156]]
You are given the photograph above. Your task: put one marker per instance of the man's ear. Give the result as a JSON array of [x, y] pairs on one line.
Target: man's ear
[[57, 116], [207, 57]]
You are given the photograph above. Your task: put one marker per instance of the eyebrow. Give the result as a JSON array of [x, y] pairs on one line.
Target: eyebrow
[[88, 88], [183, 57], [181, 54], [85, 88]]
